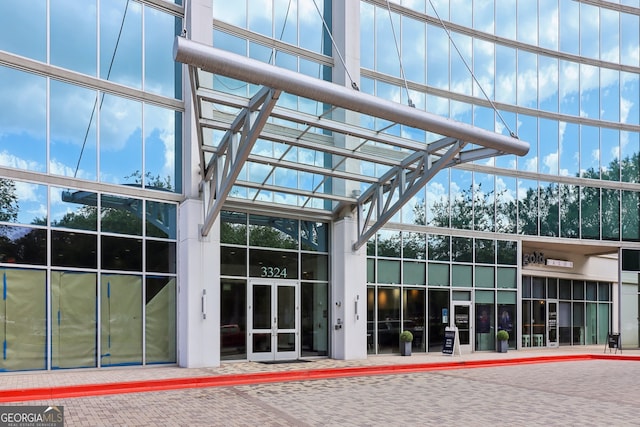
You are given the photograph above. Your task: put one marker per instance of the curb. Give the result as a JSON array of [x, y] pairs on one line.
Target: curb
[[73, 391]]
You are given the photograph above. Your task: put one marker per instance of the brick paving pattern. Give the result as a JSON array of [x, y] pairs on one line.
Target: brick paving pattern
[[574, 393]]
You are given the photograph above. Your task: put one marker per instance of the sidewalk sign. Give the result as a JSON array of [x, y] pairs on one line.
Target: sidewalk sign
[[613, 341], [451, 344]]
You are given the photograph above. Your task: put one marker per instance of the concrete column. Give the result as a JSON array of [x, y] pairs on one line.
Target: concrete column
[[349, 267], [199, 258], [348, 293], [198, 290]]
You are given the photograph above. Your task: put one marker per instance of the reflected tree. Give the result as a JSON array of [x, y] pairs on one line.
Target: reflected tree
[[551, 209], [8, 201]]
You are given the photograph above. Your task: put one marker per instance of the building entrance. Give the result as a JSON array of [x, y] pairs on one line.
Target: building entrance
[[463, 320], [273, 313]]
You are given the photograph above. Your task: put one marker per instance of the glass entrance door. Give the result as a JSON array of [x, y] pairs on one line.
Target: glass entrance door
[[552, 323], [463, 320], [273, 319]]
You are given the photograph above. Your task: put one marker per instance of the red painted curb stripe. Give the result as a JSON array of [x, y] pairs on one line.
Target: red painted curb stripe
[[47, 393]]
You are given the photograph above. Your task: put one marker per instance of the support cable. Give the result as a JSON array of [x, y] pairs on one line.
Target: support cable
[[93, 112], [395, 39], [353, 83], [184, 19], [453, 43]]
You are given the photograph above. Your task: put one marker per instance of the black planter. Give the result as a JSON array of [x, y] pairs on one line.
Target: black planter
[[405, 348]]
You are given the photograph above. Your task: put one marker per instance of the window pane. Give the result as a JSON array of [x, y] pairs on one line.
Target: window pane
[[507, 277], [461, 276], [590, 212], [120, 140], [549, 209], [74, 48], [24, 313], [161, 73], [462, 249], [161, 219], [23, 28], [610, 214], [121, 215], [121, 319], [484, 206], [160, 320], [569, 86], [70, 249], [438, 274], [23, 245], [23, 202], [485, 277], [119, 253], [233, 315], [73, 144], [273, 264], [548, 94], [569, 211], [437, 57], [74, 330], [389, 243], [388, 271], [161, 148], [315, 266], [414, 273], [569, 26], [314, 236], [73, 209], [439, 248], [630, 222], [507, 252], [485, 251], [121, 42], [527, 207], [273, 232], [414, 245], [23, 120], [161, 256]]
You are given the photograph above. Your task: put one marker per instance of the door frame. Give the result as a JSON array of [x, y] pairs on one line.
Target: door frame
[[548, 323], [465, 348], [273, 354]]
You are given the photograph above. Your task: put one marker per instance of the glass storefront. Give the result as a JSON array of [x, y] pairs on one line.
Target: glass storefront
[[583, 316], [287, 261], [110, 278], [426, 282]]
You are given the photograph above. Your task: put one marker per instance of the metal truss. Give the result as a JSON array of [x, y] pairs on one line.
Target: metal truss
[[408, 165]]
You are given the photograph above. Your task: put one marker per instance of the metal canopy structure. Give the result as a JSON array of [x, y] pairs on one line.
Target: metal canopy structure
[[334, 161]]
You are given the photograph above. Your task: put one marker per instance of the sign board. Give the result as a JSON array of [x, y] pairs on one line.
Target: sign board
[[613, 341], [451, 343]]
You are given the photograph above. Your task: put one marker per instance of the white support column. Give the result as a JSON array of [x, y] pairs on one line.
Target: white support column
[[349, 267], [198, 290], [348, 293], [199, 259]]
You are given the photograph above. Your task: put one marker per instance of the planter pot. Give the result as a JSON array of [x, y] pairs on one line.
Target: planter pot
[[405, 348], [503, 346]]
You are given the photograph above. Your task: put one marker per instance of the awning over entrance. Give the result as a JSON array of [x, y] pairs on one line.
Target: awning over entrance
[[312, 145]]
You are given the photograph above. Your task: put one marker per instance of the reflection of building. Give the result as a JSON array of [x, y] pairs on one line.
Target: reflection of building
[[283, 216]]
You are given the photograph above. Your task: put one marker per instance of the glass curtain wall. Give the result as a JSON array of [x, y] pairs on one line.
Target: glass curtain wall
[[106, 261], [109, 138], [582, 118]]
